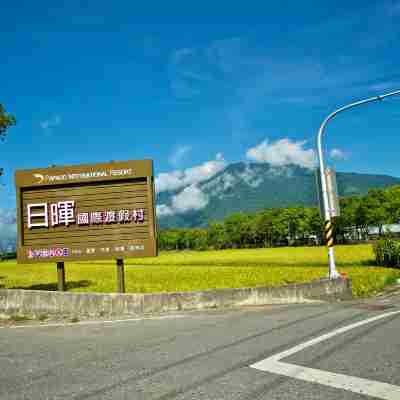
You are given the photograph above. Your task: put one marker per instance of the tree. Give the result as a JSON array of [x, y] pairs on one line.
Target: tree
[[217, 236], [6, 120], [394, 204], [237, 230], [263, 222], [377, 203]]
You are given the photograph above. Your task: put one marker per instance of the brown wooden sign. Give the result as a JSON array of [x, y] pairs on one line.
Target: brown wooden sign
[[86, 212]]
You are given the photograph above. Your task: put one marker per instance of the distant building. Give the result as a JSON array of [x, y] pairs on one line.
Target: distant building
[[373, 231]]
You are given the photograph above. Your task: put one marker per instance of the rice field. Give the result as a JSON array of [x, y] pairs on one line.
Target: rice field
[[191, 270]]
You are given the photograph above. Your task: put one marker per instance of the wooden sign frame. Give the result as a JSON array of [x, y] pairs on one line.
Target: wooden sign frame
[[86, 212]]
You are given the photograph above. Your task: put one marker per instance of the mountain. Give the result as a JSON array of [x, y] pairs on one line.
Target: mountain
[[252, 187]]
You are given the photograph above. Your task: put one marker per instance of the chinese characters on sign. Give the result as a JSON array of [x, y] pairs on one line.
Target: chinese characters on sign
[[65, 252], [63, 213], [48, 253]]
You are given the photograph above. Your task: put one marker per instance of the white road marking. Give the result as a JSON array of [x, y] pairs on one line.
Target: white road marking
[[97, 322], [367, 387]]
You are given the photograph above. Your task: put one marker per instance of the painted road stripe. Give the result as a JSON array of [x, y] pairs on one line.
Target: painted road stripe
[[367, 387], [91, 322]]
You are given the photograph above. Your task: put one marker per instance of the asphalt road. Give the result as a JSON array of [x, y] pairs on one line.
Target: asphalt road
[[211, 355]]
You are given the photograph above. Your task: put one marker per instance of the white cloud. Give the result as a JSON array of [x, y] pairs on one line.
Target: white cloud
[[337, 154], [283, 152], [191, 72], [190, 198], [8, 229], [180, 54], [52, 122], [164, 210], [385, 86], [250, 177], [219, 157], [180, 178], [179, 153]]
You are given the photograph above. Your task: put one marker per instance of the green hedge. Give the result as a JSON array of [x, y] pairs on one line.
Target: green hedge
[[387, 253], [8, 256]]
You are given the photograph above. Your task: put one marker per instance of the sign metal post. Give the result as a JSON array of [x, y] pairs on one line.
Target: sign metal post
[[120, 276], [61, 276]]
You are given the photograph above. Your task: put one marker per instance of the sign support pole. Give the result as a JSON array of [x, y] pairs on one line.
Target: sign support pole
[[333, 274], [61, 276], [120, 276]]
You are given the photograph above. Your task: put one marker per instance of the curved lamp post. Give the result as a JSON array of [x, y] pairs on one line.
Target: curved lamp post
[[327, 217]]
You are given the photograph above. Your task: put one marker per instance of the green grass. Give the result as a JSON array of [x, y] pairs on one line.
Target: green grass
[[190, 270]]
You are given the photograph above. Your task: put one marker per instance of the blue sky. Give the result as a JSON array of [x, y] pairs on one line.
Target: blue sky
[[194, 85]]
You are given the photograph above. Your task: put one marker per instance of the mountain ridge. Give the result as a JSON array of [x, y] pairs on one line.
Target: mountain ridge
[[251, 187]]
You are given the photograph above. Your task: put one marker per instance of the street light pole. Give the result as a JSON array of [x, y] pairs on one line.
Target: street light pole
[[333, 274]]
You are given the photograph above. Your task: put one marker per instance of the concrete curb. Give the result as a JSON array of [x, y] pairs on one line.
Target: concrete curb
[[38, 302]]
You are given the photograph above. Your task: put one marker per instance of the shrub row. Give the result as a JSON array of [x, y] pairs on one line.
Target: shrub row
[[8, 256], [387, 253]]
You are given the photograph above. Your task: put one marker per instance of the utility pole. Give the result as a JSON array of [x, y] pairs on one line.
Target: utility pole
[[333, 274]]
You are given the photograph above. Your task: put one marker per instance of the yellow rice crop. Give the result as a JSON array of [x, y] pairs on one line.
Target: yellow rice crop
[[190, 270]]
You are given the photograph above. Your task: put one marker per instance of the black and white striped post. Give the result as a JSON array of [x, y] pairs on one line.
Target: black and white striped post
[[328, 231]]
